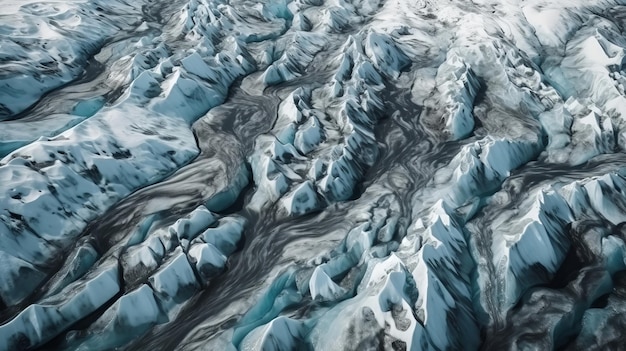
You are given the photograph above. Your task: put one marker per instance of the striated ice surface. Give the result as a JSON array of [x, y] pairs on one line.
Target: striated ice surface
[[312, 175], [41, 322]]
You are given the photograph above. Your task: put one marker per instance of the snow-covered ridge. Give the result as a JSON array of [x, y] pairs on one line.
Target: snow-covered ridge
[[75, 176], [173, 277], [528, 244], [45, 45], [309, 174], [55, 186], [325, 149]]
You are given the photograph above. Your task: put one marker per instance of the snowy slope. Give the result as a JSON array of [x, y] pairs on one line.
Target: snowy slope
[[312, 174]]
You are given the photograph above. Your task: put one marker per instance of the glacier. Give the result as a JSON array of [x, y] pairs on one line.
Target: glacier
[[312, 175]]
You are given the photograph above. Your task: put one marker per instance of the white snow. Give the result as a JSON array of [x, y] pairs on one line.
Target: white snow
[[309, 136], [535, 238], [207, 259], [192, 224], [481, 137], [302, 200], [381, 305], [56, 40], [40, 322], [281, 333], [322, 287], [56, 185], [174, 282], [226, 235], [132, 313], [298, 55], [457, 86]]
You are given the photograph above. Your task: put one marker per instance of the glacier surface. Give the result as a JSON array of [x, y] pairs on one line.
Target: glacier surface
[[312, 175]]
